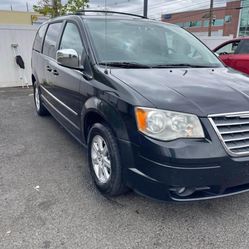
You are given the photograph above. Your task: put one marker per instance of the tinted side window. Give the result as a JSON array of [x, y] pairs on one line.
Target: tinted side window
[[51, 38], [71, 39], [244, 49], [229, 48], [39, 38]]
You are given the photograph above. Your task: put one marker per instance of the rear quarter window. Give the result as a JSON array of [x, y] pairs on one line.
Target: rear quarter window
[[51, 39], [39, 38]]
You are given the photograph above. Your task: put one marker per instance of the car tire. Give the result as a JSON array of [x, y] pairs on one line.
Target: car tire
[[112, 182], [40, 108]]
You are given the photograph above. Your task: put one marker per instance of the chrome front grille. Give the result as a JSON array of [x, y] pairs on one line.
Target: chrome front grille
[[233, 130]]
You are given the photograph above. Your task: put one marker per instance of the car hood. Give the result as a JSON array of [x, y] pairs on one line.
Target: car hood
[[201, 91]]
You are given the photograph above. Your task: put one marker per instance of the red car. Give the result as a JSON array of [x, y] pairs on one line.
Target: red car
[[235, 54]]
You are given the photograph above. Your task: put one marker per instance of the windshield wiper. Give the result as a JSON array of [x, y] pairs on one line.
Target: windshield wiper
[[125, 64], [181, 65]]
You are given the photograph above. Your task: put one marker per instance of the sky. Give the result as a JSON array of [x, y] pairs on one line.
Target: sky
[[156, 7]]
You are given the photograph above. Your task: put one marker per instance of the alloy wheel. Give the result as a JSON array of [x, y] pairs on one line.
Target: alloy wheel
[[37, 99], [101, 159]]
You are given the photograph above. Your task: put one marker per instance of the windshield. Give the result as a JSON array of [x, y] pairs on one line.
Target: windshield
[[147, 43]]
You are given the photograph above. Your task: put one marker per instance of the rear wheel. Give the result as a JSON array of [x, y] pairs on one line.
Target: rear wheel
[[40, 108], [104, 161]]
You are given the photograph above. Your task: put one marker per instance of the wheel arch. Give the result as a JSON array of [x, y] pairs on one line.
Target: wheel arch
[[33, 78], [96, 110]]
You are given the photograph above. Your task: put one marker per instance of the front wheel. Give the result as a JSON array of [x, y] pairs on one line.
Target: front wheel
[[40, 109], [104, 161]]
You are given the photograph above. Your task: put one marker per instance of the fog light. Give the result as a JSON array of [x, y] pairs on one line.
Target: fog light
[[184, 191], [181, 190]]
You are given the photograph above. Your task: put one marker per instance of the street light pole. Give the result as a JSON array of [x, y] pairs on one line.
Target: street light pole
[[210, 17], [145, 8]]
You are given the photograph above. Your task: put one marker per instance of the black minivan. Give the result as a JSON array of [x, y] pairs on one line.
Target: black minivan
[[158, 111]]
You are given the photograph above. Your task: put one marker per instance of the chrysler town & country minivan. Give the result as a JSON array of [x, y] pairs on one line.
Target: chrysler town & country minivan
[[157, 110]]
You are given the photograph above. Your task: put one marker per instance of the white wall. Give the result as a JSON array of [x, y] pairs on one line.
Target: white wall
[[214, 33], [214, 41], [23, 35]]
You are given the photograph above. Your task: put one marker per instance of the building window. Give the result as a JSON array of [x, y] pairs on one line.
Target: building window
[[180, 24], [244, 18], [167, 16], [228, 19], [206, 23], [186, 24], [244, 21], [195, 24], [218, 22]]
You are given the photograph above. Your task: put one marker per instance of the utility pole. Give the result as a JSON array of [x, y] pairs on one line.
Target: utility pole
[[210, 17], [145, 8], [56, 6]]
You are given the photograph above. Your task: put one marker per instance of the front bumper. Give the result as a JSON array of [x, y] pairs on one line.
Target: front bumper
[[157, 180], [156, 169]]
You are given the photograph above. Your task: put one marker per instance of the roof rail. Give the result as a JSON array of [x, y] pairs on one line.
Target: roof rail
[[80, 12]]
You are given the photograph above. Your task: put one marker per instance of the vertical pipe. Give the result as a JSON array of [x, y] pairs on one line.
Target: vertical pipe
[[210, 17], [239, 21], [145, 8]]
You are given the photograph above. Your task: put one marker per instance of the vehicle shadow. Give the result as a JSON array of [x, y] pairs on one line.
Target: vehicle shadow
[[209, 210]]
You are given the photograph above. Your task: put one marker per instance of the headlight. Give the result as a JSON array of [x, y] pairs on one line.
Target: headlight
[[168, 125]]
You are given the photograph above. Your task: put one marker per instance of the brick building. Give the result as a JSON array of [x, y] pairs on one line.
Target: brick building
[[226, 20]]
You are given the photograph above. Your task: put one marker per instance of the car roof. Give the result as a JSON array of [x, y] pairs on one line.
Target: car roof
[[117, 17], [100, 15], [109, 16], [235, 39], [240, 38]]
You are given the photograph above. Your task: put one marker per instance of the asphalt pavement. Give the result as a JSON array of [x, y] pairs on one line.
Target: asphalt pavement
[[48, 200]]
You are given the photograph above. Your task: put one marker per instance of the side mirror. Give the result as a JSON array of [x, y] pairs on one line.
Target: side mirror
[[223, 53], [68, 58]]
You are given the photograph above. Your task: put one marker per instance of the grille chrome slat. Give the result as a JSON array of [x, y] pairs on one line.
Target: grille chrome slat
[[233, 131], [232, 123], [239, 147], [235, 139]]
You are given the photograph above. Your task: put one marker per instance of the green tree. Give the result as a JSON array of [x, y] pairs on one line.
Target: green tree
[[73, 6], [54, 8], [51, 8]]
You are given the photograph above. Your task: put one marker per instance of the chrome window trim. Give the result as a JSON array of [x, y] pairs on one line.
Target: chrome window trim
[[232, 114], [60, 102]]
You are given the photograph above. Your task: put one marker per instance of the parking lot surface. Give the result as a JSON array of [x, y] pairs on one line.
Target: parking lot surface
[[47, 198]]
